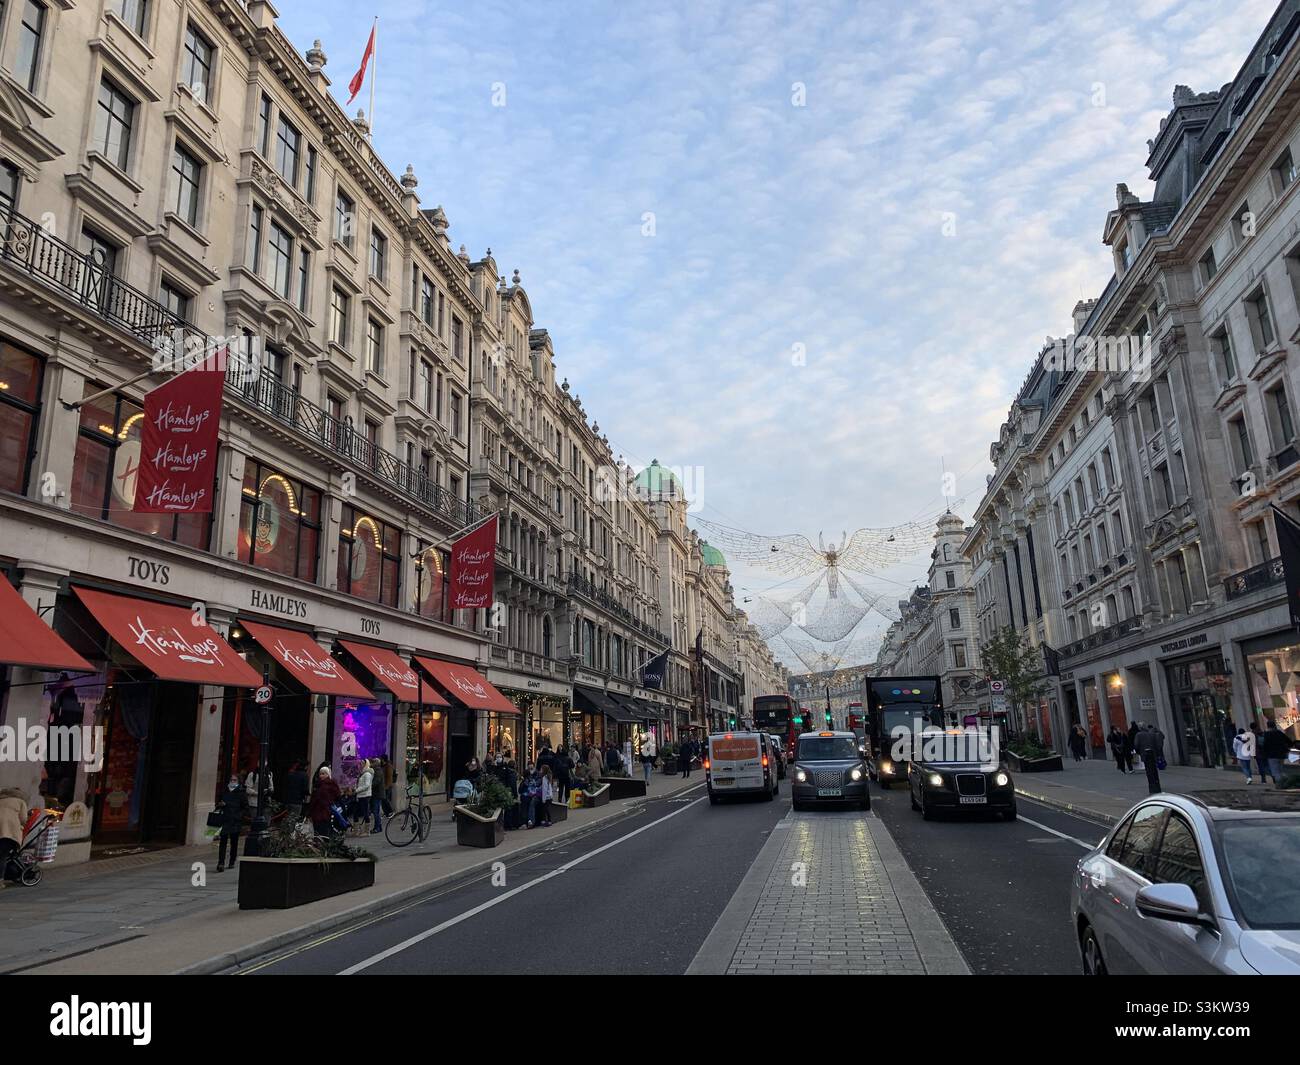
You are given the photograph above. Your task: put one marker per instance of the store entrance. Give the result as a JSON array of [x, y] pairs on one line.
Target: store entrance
[[167, 791]]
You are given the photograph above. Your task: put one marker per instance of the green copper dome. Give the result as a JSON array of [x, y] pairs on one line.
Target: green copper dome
[[659, 481], [711, 555]]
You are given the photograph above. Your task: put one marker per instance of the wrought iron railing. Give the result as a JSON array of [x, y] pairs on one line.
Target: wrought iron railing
[[580, 585], [1102, 637], [86, 280], [1265, 575]]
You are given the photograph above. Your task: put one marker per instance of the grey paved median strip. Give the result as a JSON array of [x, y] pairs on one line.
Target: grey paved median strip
[[829, 893]]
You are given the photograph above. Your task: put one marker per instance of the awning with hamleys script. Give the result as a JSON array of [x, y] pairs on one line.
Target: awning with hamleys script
[[25, 640], [311, 665], [397, 676], [172, 642], [467, 685]]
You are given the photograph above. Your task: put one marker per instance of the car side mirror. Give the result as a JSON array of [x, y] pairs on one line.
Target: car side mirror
[[1171, 902]]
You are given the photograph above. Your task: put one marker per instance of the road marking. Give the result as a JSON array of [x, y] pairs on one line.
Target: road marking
[[1046, 828], [428, 933]]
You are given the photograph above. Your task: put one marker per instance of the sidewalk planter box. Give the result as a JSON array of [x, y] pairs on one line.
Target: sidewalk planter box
[[670, 767], [1033, 765], [282, 883], [475, 830], [625, 787], [556, 811], [599, 797]]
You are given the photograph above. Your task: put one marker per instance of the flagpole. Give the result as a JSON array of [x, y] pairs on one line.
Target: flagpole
[[374, 74]]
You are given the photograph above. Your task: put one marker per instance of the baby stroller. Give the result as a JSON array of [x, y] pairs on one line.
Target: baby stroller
[[463, 793], [41, 838]]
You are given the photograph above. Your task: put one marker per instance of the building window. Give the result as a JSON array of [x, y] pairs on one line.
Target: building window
[[10, 180], [426, 384], [114, 118], [339, 317], [455, 416], [264, 126], [374, 347], [20, 407], [1224, 361], [309, 189], [31, 37], [959, 655], [1261, 320], [954, 619], [304, 279], [456, 330], [288, 144], [280, 246], [255, 237], [134, 13], [174, 299], [1209, 266], [196, 64], [426, 302], [370, 557], [950, 579], [1284, 172], [1279, 409], [378, 253], [344, 218], [105, 466], [187, 175], [279, 523], [433, 582], [1240, 439]]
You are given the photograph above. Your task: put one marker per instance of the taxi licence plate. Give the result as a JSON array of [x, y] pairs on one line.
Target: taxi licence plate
[[975, 799], [828, 792]]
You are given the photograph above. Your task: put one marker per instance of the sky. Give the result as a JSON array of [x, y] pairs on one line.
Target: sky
[[806, 250]]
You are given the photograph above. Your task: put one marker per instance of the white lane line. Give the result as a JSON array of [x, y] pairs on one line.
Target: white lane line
[[1045, 828], [452, 922]]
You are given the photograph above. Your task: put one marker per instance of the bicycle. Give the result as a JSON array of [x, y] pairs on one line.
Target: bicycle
[[405, 826]]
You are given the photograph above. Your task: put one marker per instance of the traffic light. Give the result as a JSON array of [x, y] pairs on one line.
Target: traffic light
[[731, 721], [798, 719], [829, 719]]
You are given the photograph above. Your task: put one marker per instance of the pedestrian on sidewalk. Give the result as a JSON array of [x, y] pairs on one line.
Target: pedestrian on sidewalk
[[14, 813], [1118, 745], [368, 803], [295, 790], [1259, 752], [593, 764], [1150, 746], [563, 769], [548, 795], [648, 752], [1078, 742], [1275, 746], [530, 796], [1243, 747], [323, 800], [684, 755], [232, 807]]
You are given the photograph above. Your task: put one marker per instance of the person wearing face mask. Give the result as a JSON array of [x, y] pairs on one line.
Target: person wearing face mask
[[233, 806]]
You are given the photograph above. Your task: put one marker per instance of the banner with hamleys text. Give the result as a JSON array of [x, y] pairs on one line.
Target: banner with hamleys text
[[473, 567], [178, 444]]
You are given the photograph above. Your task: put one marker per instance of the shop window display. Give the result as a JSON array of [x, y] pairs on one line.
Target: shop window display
[[1275, 687], [361, 731], [369, 557], [279, 527], [20, 391]]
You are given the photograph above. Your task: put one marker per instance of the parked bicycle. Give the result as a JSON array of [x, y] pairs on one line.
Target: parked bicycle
[[405, 826]]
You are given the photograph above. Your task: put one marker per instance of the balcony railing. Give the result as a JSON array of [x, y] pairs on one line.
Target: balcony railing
[[579, 585], [1102, 637], [1265, 575], [85, 279]]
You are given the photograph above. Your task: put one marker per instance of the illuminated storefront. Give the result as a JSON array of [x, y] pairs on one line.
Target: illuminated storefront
[[1273, 673]]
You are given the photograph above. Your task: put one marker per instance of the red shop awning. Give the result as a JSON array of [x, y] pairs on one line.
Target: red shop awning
[[397, 676], [167, 640], [25, 640], [469, 686], [311, 665]]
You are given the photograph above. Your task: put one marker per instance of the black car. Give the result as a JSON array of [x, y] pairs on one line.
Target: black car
[[828, 769], [953, 775]]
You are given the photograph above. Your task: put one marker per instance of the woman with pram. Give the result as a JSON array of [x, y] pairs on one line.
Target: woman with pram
[[13, 816]]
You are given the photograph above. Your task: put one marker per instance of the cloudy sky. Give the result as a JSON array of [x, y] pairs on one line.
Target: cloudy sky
[[810, 248]]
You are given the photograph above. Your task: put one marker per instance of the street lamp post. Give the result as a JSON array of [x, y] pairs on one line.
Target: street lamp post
[[257, 830]]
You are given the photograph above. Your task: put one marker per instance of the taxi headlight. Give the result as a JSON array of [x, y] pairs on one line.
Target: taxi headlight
[[935, 780], [1001, 780], [886, 767], [800, 775], [855, 774]]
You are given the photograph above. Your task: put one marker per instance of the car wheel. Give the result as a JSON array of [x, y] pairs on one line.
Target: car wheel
[[884, 784], [926, 815], [865, 804], [713, 799], [1090, 949], [769, 795], [795, 804], [912, 795], [1009, 815]]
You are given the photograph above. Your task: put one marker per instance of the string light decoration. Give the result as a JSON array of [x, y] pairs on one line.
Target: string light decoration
[[794, 555]]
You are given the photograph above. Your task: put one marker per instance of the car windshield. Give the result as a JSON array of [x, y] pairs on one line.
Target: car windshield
[[827, 748], [1262, 859]]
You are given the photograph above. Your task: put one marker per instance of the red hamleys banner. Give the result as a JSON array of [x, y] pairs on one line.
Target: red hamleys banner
[[178, 444], [473, 567]]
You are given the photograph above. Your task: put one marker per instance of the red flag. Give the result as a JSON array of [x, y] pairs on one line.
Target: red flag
[[473, 567], [178, 444], [359, 78]]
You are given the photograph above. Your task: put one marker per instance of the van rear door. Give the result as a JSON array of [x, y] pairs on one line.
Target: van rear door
[[736, 762]]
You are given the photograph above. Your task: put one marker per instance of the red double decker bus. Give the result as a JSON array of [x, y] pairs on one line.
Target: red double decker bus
[[779, 716]]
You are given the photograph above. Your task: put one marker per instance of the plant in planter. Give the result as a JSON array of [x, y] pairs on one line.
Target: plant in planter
[[595, 793], [482, 823], [668, 757], [296, 867]]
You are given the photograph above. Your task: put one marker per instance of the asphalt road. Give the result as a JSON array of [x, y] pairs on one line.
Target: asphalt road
[[1003, 889], [640, 905]]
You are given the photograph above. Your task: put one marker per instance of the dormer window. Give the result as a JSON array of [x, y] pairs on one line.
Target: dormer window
[[1209, 267], [1124, 254], [1284, 172]]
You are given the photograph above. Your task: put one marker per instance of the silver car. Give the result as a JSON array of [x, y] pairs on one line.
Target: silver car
[[1179, 886]]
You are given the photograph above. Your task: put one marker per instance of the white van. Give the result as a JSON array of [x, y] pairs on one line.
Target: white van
[[741, 763]]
